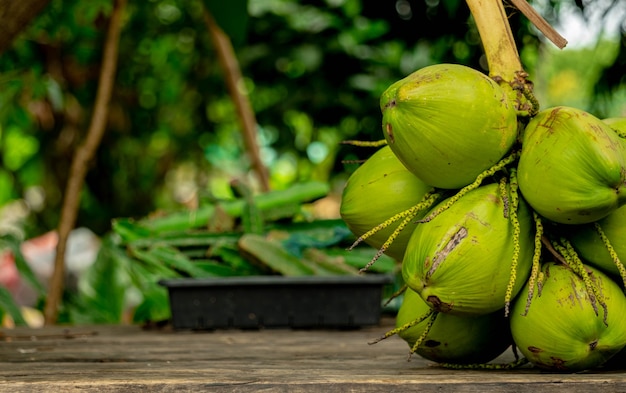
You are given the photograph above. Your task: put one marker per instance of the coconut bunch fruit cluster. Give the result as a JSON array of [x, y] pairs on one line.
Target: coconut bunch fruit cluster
[[510, 228]]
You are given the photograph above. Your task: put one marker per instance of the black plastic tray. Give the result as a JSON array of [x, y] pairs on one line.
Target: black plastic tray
[[276, 301]]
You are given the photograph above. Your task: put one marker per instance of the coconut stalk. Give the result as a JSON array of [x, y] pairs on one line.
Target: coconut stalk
[[540, 23], [505, 66], [497, 39], [501, 51]]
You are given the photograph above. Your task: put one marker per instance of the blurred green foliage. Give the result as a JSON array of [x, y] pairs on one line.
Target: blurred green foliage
[[313, 70]]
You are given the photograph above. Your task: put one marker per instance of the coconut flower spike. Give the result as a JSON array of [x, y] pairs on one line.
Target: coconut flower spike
[[479, 180], [378, 143], [573, 262], [411, 212], [505, 197], [431, 320], [611, 250], [516, 240], [429, 202], [396, 294], [393, 332], [534, 273], [486, 366], [594, 290], [388, 242]]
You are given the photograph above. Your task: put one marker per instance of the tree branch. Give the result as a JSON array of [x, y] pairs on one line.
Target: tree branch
[[83, 155], [232, 74]]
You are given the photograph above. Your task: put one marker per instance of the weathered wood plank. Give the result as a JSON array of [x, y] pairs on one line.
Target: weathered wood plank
[[122, 358]]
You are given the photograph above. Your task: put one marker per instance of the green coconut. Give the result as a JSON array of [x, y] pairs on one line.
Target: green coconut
[[590, 247], [572, 168], [617, 123], [454, 339], [448, 123], [461, 261], [377, 190], [561, 331]]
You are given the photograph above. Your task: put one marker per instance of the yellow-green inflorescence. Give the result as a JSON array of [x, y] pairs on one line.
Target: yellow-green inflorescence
[[472, 186], [536, 267], [609, 247], [573, 261], [516, 240]]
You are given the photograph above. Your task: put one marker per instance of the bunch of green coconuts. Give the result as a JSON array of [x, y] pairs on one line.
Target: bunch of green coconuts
[[510, 229]]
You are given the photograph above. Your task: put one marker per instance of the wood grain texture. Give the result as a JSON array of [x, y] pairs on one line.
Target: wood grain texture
[[127, 358]]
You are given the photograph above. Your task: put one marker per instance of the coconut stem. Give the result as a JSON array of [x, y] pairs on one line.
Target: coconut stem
[[497, 38], [505, 66]]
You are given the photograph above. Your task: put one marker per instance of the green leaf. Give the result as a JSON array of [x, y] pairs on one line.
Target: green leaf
[[230, 255], [186, 220], [8, 304], [18, 147], [183, 239], [316, 236], [251, 216], [12, 243], [232, 17], [155, 305], [327, 264], [216, 269], [129, 230], [273, 256], [104, 285], [176, 260], [152, 263]]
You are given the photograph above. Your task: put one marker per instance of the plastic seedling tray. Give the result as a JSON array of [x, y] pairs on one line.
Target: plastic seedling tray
[[276, 301]]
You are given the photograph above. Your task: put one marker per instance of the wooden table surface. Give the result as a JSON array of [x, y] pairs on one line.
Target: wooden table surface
[[132, 359]]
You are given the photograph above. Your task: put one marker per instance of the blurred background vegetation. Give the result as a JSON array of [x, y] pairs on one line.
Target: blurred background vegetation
[[313, 71]]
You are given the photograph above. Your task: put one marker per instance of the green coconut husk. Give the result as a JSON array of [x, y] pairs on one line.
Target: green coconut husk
[[602, 244], [453, 339], [572, 169], [466, 260], [618, 124], [562, 330], [448, 123], [378, 190]]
